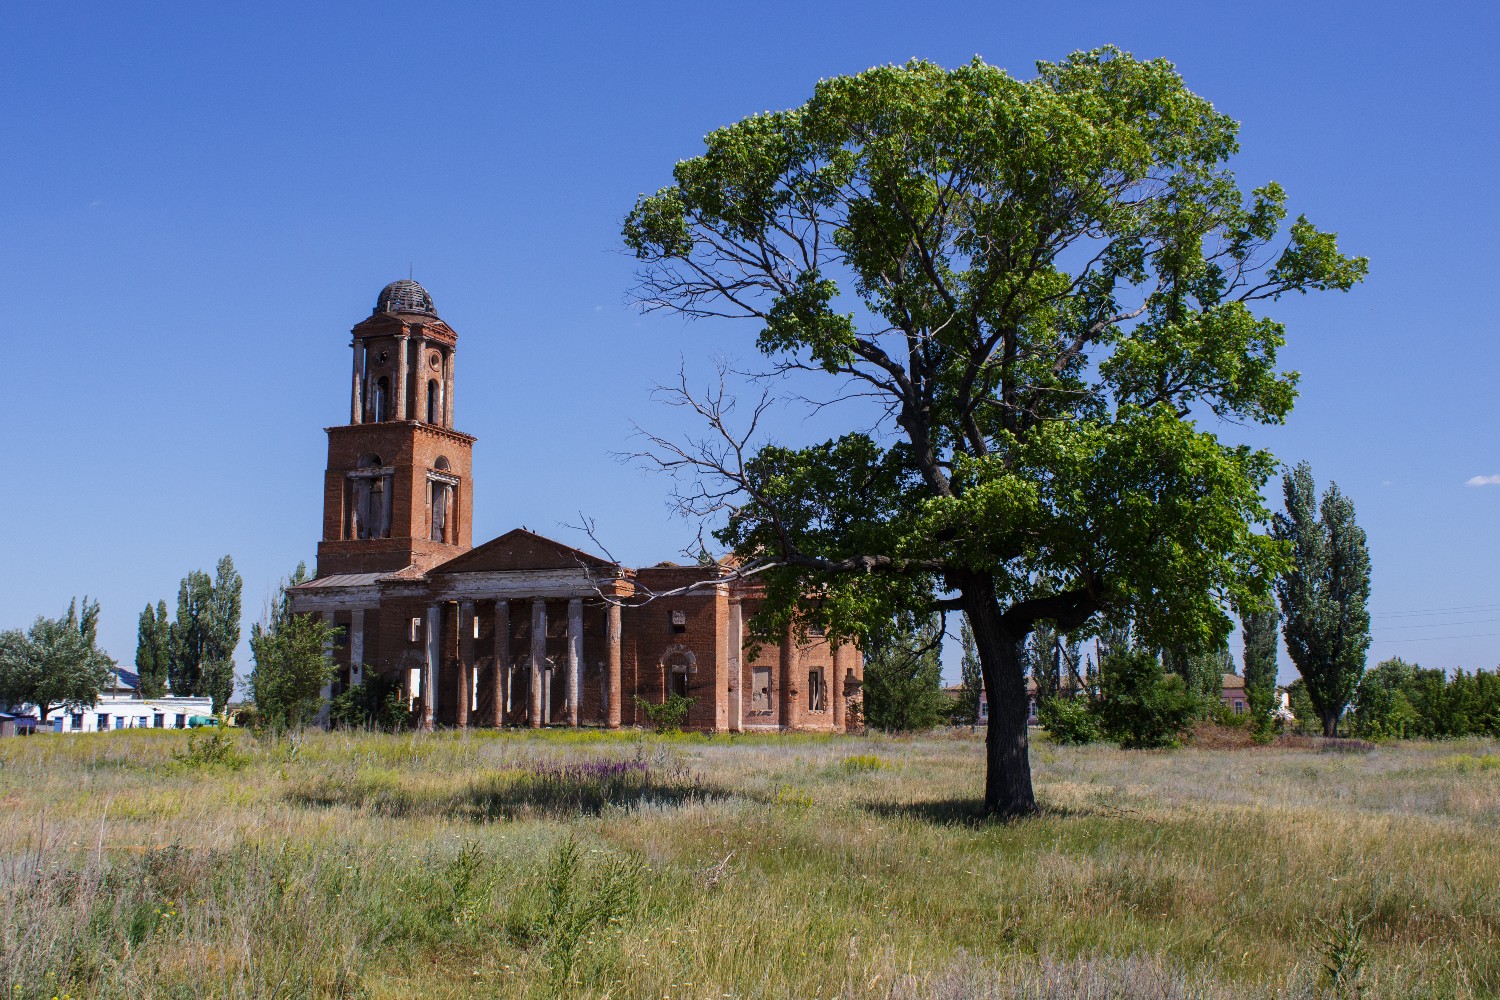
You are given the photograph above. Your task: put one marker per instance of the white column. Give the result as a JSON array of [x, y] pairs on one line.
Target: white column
[[356, 647], [403, 344], [356, 403], [735, 640], [538, 657], [448, 388], [325, 694], [433, 665], [612, 665], [420, 382], [575, 658]]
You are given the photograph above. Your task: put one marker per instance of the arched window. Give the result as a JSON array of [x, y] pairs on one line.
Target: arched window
[[434, 402], [383, 398], [441, 464]]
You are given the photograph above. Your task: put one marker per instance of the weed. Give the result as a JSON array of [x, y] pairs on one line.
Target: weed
[[1344, 956], [211, 747], [861, 763]]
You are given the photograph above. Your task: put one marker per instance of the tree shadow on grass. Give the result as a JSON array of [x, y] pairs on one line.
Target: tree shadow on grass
[[969, 812], [553, 792]]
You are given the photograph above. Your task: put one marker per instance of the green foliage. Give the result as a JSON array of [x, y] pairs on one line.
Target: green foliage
[[861, 763], [206, 632], [211, 746], [57, 663], [375, 704], [1381, 707], [667, 716], [1260, 628], [153, 650], [1141, 708], [1202, 672], [1043, 281], [291, 662], [1344, 953], [965, 712], [903, 689], [1325, 593], [1398, 700], [576, 900], [1069, 720], [1301, 706]]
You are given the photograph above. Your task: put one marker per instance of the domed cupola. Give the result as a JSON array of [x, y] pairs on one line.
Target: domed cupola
[[405, 296]]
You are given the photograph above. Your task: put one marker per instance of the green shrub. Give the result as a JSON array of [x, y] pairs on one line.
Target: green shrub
[[1223, 715], [668, 716], [375, 704], [1068, 720], [1141, 708], [212, 746]]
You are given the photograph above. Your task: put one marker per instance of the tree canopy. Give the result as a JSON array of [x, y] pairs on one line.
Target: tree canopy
[[292, 664], [1042, 284], [57, 663]]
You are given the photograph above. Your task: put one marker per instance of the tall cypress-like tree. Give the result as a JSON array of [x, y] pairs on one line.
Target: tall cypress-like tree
[[1259, 627], [971, 678], [221, 633], [193, 596], [153, 655], [1326, 593]]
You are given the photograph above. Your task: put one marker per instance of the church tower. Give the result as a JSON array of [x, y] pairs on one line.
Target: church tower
[[398, 492]]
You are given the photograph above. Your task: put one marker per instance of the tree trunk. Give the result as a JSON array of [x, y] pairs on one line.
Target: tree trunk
[[1330, 726], [1007, 779]]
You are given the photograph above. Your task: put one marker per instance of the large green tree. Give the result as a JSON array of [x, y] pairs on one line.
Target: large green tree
[[153, 650], [1325, 593], [292, 664], [1040, 284], [57, 663]]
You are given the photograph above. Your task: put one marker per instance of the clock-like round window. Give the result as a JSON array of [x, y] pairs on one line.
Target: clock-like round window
[[381, 357], [434, 361]]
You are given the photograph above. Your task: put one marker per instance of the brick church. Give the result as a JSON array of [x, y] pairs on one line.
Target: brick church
[[521, 630]]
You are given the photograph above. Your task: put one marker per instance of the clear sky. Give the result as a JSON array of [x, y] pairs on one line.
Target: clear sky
[[199, 200]]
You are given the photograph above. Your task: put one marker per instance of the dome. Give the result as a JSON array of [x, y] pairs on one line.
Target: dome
[[405, 296]]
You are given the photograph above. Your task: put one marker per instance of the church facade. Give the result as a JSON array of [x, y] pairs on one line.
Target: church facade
[[522, 630]]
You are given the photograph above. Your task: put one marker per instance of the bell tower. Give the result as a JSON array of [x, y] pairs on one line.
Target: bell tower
[[397, 492]]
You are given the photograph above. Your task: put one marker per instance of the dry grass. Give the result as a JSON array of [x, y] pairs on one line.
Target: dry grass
[[438, 866]]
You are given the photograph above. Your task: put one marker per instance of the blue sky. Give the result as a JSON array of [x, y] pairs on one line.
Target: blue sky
[[200, 200]]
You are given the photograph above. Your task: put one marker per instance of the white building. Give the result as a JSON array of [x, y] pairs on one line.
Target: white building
[[121, 707]]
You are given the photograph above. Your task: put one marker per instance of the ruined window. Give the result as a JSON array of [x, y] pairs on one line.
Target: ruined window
[[679, 622], [441, 464], [382, 398], [760, 689], [434, 402], [414, 633], [815, 693], [678, 683]]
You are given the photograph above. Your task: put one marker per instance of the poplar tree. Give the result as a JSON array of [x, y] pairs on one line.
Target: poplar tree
[[193, 596], [291, 661], [903, 687], [971, 680], [221, 633], [1259, 627], [1325, 594], [153, 650]]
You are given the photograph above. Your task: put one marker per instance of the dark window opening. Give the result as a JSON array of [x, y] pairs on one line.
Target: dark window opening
[[679, 683], [434, 402], [440, 498], [815, 694], [382, 398]]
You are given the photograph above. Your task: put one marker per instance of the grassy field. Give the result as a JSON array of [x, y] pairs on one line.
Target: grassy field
[[619, 865]]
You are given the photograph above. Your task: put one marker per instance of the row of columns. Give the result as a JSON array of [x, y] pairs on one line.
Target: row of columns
[[540, 688], [362, 402]]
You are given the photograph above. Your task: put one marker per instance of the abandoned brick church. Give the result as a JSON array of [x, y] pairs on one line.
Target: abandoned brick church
[[522, 630]]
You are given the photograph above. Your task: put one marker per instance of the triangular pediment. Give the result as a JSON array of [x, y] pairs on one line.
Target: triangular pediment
[[520, 550]]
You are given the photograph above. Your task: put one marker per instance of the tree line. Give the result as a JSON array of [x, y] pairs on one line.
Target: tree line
[[193, 654]]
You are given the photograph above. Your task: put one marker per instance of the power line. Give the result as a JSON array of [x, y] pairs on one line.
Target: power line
[[1439, 638], [1472, 621], [1470, 609]]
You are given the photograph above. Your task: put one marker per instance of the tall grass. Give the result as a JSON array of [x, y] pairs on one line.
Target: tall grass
[[619, 865]]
